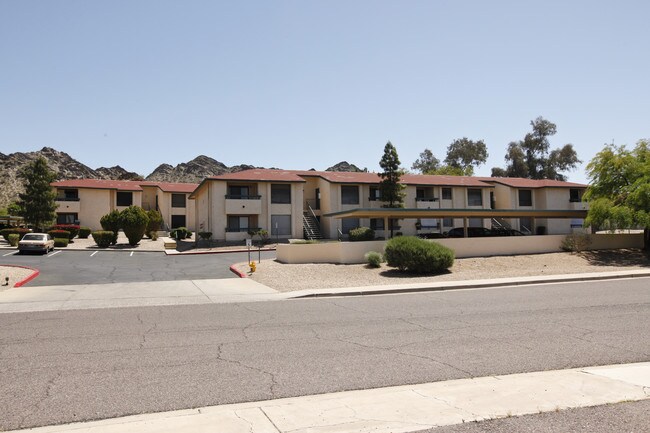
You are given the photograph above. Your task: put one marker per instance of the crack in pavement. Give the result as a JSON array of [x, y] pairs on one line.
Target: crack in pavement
[[271, 376]]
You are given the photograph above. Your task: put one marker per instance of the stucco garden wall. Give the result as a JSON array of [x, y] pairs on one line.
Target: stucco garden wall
[[354, 252]]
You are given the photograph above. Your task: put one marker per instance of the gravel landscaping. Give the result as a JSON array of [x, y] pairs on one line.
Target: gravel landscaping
[[14, 273], [289, 277]]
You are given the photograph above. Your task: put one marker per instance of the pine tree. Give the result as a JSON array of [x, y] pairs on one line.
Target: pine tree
[[391, 190], [38, 205]]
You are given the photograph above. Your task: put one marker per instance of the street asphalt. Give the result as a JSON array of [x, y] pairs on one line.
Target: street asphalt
[[103, 267], [58, 367]]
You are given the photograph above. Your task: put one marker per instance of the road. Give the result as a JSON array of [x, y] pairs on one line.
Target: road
[[102, 267], [60, 367]]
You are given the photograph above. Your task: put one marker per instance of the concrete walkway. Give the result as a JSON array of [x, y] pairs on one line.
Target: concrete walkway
[[231, 290], [401, 408]]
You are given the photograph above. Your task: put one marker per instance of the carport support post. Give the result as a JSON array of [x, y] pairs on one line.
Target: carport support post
[[465, 221]]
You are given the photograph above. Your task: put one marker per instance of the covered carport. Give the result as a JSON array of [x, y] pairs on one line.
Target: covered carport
[[465, 214]]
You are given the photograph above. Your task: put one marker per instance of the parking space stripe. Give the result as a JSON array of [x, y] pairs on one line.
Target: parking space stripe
[[54, 253], [10, 254], [94, 253], [131, 255]]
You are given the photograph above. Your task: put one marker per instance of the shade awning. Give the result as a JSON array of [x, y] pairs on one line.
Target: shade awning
[[404, 213]]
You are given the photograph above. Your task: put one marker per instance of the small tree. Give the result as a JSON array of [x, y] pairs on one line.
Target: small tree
[[134, 222], [37, 204], [155, 221], [112, 222], [391, 190]]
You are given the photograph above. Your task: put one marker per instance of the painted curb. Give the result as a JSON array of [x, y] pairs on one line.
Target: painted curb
[[237, 272], [27, 279]]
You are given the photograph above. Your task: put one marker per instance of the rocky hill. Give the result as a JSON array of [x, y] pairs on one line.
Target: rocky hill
[[67, 167]]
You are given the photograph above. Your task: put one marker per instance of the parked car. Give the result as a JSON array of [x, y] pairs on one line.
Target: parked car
[[506, 232], [41, 242], [472, 232]]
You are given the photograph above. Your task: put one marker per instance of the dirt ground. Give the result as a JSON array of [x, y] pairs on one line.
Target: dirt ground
[[290, 277]]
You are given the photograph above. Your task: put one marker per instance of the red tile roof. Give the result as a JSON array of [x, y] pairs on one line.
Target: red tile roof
[[518, 182], [426, 179], [261, 175], [124, 185]]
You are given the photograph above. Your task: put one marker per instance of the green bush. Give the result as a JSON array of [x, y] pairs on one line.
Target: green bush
[[13, 230], [59, 234], [153, 236], [103, 238], [374, 259], [180, 233], [84, 232], [408, 253], [154, 224], [205, 235], [362, 234], [134, 222], [61, 242], [112, 222], [13, 240], [72, 229]]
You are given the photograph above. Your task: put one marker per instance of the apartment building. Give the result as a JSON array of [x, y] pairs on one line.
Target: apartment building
[[85, 201], [287, 203]]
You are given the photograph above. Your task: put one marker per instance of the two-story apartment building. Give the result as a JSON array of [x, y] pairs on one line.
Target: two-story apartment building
[[85, 201], [282, 202]]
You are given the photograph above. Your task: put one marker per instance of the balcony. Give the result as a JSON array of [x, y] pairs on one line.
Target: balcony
[[68, 205], [244, 204], [427, 203], [578, 205]]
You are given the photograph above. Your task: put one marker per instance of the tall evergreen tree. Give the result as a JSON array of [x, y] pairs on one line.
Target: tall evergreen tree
[[391, 190], [37, 203]]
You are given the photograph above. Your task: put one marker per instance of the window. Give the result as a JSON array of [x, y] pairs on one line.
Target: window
[[237, 191], [237, 223], [178, 221], [178, 200], [447, 222], [281, 225], [67, 218], [281, 193], [349, 194], [349, 224], [124, 198], [475, 222], [474, 197], [394, 224], [525, 197], [575, 195], [375, 194], [71, 194], [446, 193], [377, 223]]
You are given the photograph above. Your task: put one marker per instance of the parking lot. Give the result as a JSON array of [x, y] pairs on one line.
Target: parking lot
[[62, 267]]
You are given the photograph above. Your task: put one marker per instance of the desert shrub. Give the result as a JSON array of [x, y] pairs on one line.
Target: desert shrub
[[84, 232], [205, 235], [189, 233], [72, 229], [13, 239], [61, 242], [112, 222], [374, 259], [362, 234], [576, 242], [153, 236], [408, 253], [154, 224], [59, 234], [14, 230], [134, 222], [103, 238]]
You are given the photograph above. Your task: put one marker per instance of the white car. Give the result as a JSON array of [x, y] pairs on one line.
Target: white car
[[42, 242]]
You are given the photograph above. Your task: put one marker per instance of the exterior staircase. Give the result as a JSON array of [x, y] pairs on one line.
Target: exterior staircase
[[310, 226], [501, 224]]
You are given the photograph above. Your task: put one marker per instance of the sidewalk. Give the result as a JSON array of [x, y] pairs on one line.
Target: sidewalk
[[232, 290], [407, 408]]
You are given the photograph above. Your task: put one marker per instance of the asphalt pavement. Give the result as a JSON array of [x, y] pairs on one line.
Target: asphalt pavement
[[58, 367], [63, 267]]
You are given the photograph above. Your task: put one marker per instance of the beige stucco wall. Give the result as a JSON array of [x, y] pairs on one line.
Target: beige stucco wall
[[354, 252], [94, 204]]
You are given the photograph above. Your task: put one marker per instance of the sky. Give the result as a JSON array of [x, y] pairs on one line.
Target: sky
[[306, 84]]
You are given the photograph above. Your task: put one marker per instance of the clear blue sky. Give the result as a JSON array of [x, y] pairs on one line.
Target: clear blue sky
[[305, 84]]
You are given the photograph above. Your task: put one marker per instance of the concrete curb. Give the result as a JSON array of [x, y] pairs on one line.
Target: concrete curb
[[237, 272], [27, 279], [468, 284]]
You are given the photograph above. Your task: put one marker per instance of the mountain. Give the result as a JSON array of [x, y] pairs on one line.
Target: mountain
[[345, 166]]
